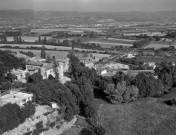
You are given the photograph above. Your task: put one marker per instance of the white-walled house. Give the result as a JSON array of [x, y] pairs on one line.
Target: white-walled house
[[130, 55]]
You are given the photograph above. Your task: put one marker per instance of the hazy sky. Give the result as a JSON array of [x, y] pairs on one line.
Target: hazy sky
[[90, 5]]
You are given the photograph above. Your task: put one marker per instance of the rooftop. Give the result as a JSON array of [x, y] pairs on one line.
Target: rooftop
[[48, 66], [34, 63]]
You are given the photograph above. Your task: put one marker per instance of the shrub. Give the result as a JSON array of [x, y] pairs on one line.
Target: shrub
[[171, 102], [12, 115], [28, 133], [90, 110], [17, 84], [148, 86], [39, 128], [121, 92]]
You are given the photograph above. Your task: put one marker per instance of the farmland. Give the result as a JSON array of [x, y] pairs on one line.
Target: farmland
[[45, 31], [46, 46], [108, 43], [146, 33], [27, 38], [57, 54], [122, 40], [158, 46]]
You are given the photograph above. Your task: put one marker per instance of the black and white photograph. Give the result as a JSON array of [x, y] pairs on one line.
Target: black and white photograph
[[87, 67]]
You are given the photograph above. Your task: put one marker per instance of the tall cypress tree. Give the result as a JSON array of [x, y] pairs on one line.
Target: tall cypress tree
[[43, 53]]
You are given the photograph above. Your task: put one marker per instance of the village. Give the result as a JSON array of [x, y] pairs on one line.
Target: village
[[87, 73]]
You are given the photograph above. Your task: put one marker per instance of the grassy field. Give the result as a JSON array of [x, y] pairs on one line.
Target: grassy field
[[158, 46], [146, 33], [57, 54], [46, 46], [155, 59], [27, 38], [108, 43], [45, 31], [124, 40], [147, 117]]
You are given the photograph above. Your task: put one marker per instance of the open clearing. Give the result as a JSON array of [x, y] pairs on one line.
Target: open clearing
[[146, 117]]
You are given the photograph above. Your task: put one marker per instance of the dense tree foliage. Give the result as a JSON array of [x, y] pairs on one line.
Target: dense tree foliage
[[139, 44], [171, 34], [29, 53], [166, 73], [12, 115], [81, 85], [43, 53], [8, 62], [46, 91], [148, 85]]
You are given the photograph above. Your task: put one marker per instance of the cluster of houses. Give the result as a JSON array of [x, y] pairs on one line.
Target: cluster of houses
[[33, 65], [106, 68]]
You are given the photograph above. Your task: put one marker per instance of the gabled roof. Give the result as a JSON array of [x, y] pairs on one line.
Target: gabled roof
[[34, 63]]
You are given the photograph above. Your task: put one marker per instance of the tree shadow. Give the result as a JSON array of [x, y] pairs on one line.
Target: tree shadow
[[85, 131]]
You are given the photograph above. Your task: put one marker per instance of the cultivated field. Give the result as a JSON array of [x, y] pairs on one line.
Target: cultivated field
[[109, 44], [45, 31], [57, 54], [146, 33], [27, 38], [46, 46], [124, 40], [158, 46]]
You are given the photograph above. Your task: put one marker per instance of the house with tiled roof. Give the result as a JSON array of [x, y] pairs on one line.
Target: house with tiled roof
[[33, 66]]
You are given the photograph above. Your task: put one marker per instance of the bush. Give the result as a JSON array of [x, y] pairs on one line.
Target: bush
[[6, 85], [68, 114], [39, 128], [9, 119], [171, 102], [28, 133], [121, 92], [90, 110], [12, 115], [17, 84], [148, 86]]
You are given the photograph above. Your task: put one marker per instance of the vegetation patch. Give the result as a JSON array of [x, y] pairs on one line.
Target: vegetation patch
[[145, 117]]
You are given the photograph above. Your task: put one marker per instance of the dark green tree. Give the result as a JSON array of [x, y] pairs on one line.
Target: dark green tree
[[43, 53]]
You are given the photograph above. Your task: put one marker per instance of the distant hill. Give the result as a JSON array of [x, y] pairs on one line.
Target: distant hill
[[86, 17]]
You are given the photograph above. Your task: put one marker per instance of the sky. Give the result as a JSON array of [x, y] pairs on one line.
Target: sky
[[90, 5]]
